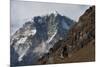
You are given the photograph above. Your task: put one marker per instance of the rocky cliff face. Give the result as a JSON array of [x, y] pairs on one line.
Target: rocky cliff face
[[36, 37], [79, 44]]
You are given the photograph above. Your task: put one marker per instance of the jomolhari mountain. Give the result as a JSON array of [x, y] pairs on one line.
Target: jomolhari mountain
[[54, 38]]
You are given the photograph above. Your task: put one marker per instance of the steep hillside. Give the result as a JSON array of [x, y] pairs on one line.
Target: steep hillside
[[79, 44]]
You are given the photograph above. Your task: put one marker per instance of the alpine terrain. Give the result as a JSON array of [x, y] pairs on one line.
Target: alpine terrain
[[35, 38], [79, 44]]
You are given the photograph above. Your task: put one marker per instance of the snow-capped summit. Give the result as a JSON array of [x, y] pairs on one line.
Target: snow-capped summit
[[53, 12], [42, 32]]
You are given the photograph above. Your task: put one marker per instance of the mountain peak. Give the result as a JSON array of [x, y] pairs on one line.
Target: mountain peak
[[40, 33], [54, 12]]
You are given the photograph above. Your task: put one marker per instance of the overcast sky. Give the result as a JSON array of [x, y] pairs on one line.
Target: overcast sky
[[22, 11]]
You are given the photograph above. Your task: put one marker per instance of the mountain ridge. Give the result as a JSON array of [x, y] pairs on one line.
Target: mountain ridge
[[36, 37]]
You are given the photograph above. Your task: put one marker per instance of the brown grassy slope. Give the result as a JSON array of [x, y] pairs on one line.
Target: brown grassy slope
[[85, 54], [80, 43]]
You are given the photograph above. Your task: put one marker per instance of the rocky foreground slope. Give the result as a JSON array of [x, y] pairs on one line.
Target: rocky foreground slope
[[79, 44]]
